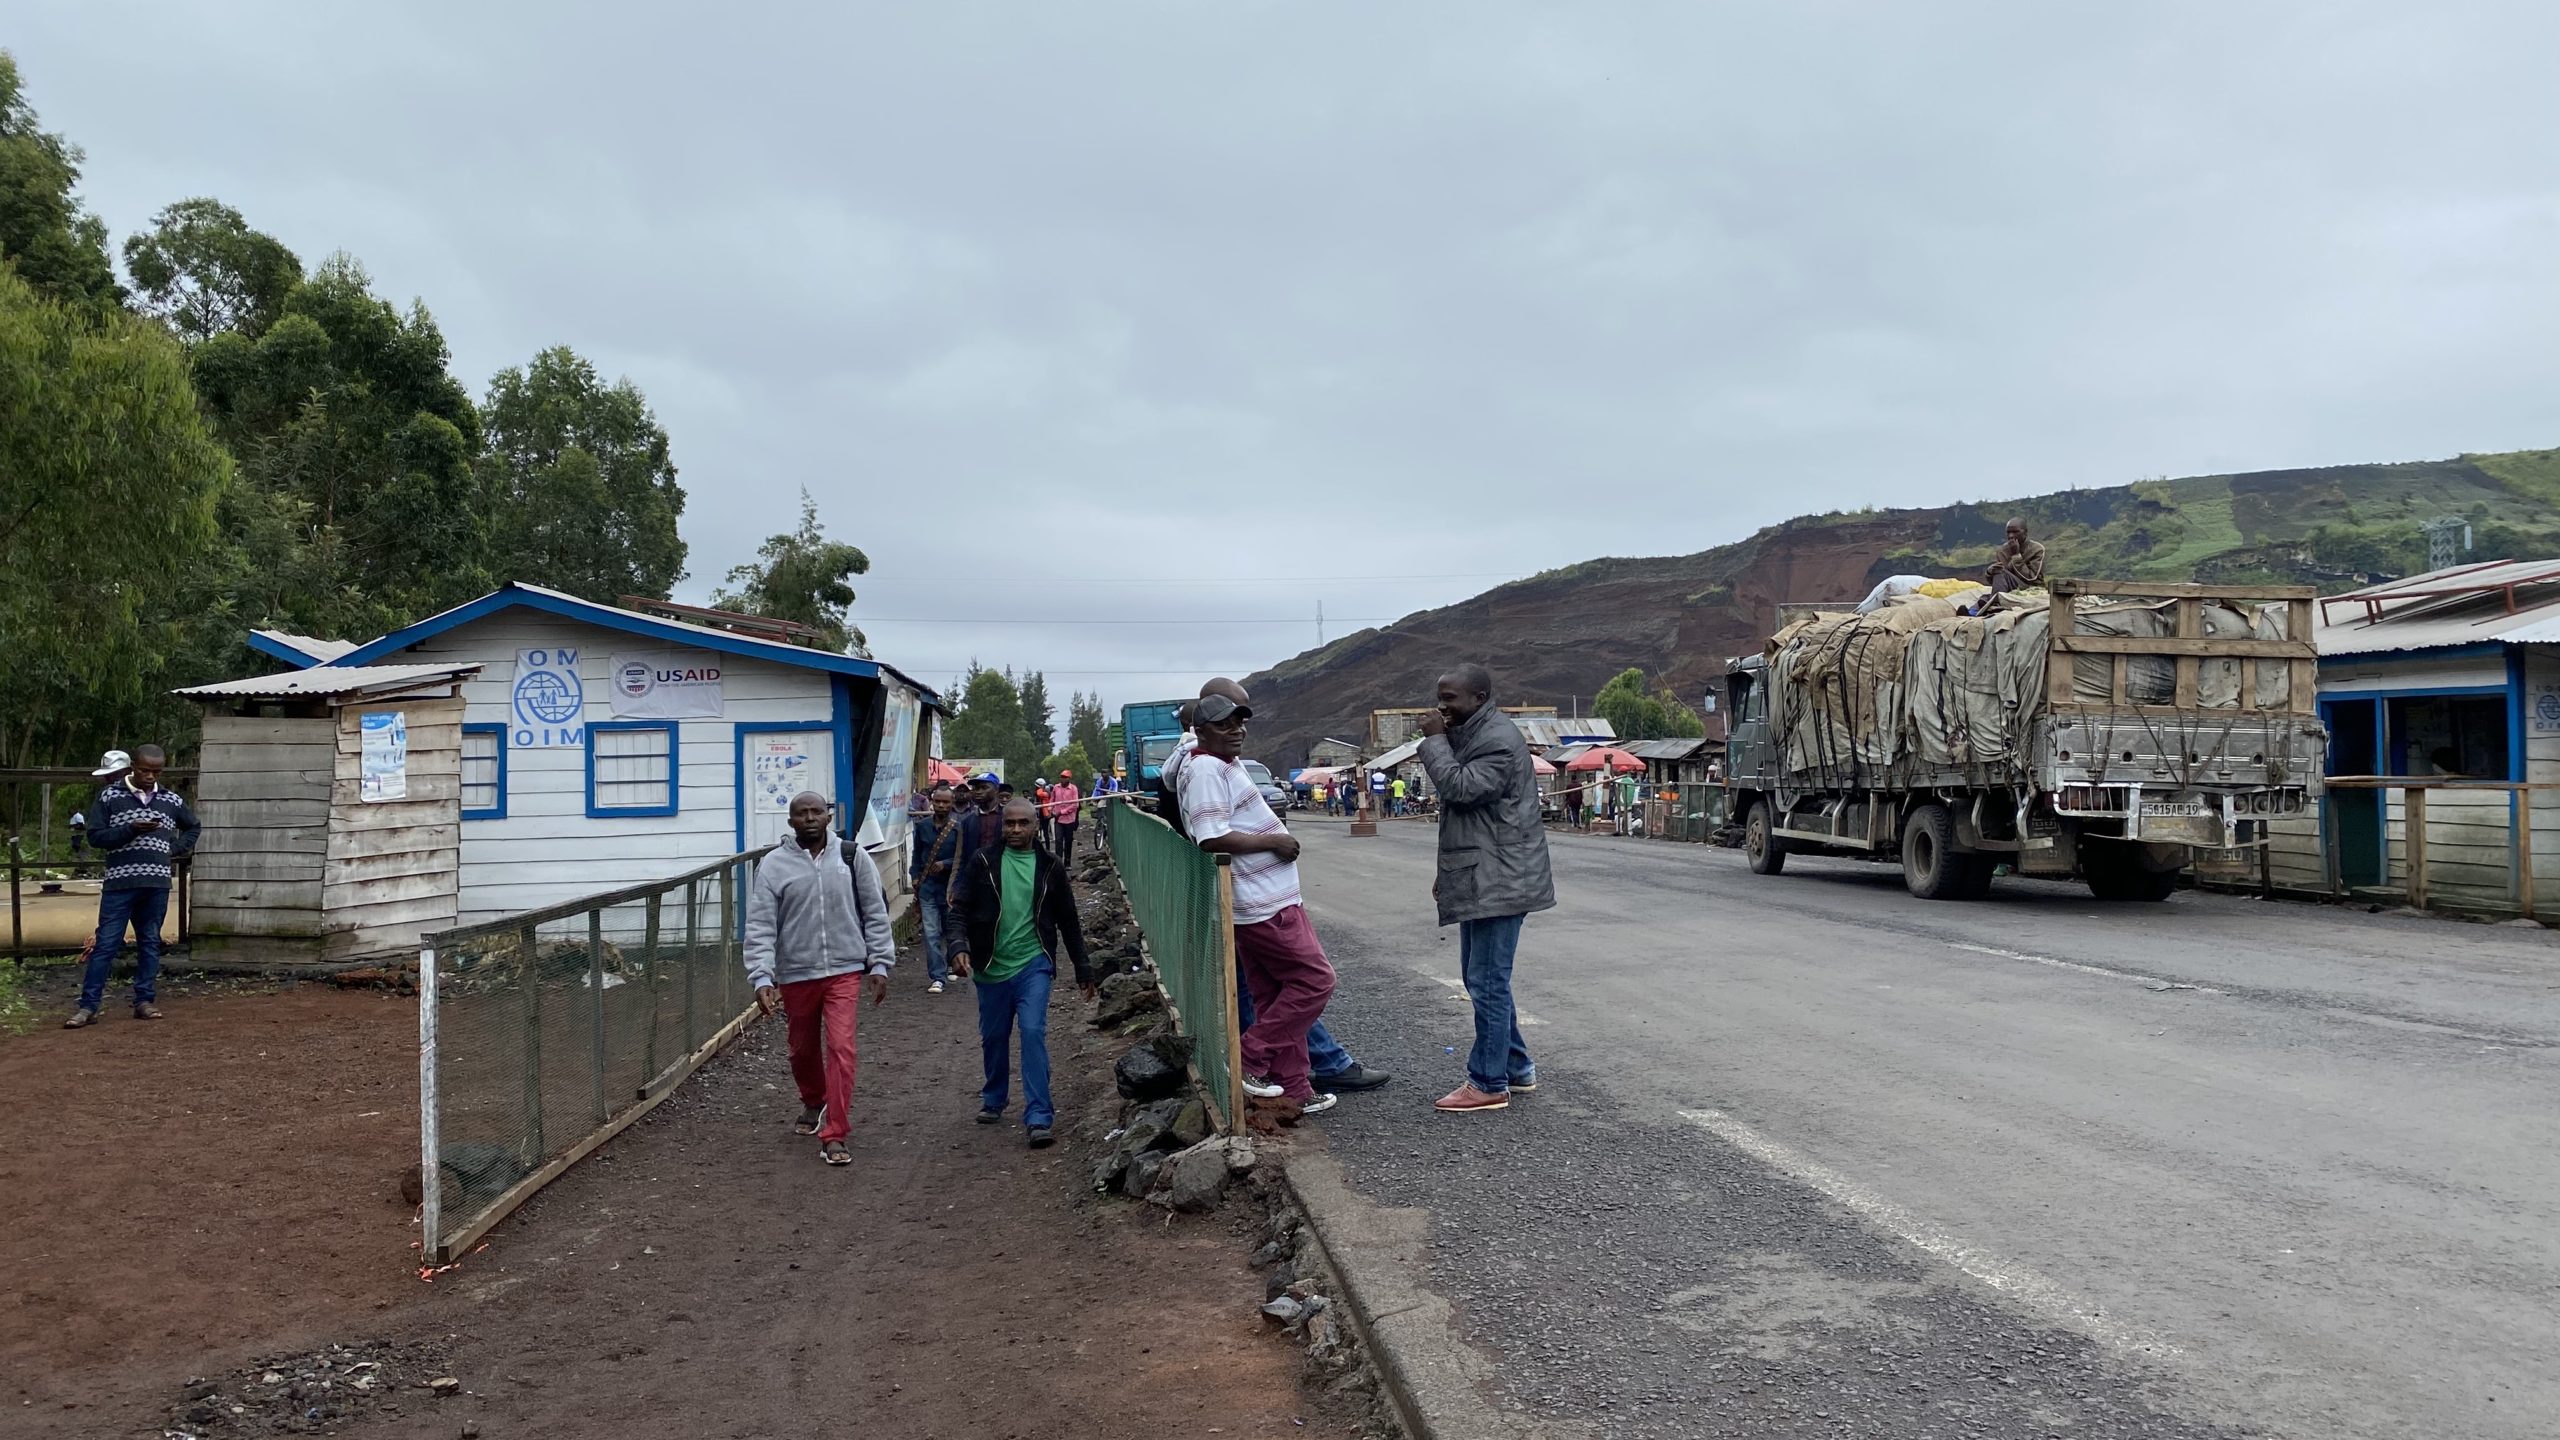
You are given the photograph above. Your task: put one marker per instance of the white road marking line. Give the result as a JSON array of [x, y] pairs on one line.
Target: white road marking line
[[2097, 970], [2015, 1281]]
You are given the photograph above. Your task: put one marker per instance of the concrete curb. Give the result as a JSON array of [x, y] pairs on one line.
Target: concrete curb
[[1441, 1387]]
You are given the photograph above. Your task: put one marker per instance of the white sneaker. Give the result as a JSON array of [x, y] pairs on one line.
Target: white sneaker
[[1318, 1105], [1261, 1089], [934, 989]]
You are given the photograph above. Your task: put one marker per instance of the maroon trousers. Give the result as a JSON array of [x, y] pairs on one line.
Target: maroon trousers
[[819, 1016], [1290, 979]]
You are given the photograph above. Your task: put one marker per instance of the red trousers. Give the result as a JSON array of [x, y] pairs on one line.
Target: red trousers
[[819, 1015], [1290, 980]]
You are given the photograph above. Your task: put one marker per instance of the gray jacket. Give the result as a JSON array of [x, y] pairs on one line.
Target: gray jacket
[[812, 916], [1493, 844]]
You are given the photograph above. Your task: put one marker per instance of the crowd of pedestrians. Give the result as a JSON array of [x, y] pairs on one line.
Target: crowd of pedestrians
[[989, 871]]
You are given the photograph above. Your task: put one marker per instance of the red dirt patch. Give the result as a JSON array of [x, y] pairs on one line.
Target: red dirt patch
[[177, 1191]]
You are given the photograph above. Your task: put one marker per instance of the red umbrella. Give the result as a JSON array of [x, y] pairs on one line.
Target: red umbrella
[[1607, 757], [940, 772], [1538, 764]]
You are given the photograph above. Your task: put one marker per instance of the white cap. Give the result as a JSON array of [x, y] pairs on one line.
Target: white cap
[[114, 762]]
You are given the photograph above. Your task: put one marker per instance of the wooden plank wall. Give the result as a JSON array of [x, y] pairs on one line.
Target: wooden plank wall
[[263, 794], [393, 868]]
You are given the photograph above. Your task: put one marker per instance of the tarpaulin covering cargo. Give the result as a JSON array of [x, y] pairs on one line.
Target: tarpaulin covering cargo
[[1852, 695]]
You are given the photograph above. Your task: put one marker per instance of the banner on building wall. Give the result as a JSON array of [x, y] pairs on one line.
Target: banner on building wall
[[548, 703], [781, 766], [893, 779], [2546, 708], [666, 685], [385, 752]]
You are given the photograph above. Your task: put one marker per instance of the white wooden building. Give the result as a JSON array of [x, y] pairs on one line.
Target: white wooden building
[[603, 747], [2452, 675]]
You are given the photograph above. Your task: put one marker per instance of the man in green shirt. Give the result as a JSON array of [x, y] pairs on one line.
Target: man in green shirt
[[1015, 910]]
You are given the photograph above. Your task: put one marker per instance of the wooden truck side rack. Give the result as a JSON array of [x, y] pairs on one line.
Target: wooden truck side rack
[[2296, 651]]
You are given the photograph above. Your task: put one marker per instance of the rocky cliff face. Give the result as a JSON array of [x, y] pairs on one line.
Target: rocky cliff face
[[1557, 638]]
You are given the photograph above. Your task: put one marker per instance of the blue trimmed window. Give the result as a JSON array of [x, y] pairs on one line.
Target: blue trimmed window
[[631, 768], [484, 772]]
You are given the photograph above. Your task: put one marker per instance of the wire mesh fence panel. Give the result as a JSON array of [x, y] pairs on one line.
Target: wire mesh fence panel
[[540, 1033], [1183, 903], [1691, 810]]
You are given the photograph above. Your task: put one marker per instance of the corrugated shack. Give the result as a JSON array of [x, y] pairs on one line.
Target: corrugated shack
[[2441, 695], [332, 807]]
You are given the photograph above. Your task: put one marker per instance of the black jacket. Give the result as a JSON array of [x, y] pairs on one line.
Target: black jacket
[[976, 902]]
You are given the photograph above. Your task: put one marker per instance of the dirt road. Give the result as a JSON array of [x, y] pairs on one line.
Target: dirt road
[[705, 1275]]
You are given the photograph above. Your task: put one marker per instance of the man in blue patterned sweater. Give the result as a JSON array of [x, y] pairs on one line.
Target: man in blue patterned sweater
[[142, 828]]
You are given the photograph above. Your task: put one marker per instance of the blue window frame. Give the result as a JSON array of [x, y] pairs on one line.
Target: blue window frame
[[632, 768], [484, 772]]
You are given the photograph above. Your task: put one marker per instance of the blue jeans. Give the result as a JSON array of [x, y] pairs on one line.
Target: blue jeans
[[1500, 1058], [933, 900], [1004, 1006], [1325, 1056], [144, 910]]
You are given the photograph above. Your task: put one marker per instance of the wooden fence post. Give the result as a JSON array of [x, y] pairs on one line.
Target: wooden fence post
[[430, 1148], [2414, 821], [595, 984]]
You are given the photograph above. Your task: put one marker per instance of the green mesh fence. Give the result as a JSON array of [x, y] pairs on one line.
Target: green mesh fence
[[540, 1033], [1184, 904]]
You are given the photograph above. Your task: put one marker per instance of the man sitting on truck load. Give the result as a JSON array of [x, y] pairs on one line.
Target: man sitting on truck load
[[2018, 565]]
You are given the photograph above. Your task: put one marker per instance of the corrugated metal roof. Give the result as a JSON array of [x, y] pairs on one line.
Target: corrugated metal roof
[[328, 680], [305, 648], [1393, 758], [1542, 731], [2464, 605], [559, 602], [1662, 749]]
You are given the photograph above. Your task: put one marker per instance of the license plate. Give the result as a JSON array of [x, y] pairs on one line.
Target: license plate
[[2169, 807]]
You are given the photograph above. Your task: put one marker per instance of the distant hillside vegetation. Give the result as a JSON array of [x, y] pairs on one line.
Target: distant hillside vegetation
[[1559, 636]]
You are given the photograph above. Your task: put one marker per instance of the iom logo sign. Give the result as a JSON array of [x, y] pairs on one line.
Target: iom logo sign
[[550, 701]]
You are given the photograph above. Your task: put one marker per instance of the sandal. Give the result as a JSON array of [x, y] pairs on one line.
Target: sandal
[[147, 1011], [81, 1020], [809, 1120], [835, 1153]]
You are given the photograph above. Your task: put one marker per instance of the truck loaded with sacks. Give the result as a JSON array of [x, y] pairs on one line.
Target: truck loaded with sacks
[[2111, 731]]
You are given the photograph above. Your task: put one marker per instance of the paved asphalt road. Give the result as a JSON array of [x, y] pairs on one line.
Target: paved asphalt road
[[1815, 1158]]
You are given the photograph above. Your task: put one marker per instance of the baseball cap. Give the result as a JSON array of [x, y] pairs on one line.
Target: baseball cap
[[1215, 709], [114, 762], [1066, 774]]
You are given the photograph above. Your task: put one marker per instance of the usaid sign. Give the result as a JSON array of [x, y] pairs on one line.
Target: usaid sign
[[665, 685], [548, 705]]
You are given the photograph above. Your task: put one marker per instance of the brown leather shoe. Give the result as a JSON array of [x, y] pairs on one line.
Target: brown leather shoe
[[1468, 1100], [146, 1011], [81, 1020]]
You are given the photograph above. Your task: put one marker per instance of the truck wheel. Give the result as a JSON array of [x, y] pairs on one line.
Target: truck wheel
[[2114, 873], [1761, 842], [1977, 880], [1932, 867]]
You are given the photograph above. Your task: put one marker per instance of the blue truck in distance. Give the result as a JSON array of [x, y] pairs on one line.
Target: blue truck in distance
[[1149, 730]]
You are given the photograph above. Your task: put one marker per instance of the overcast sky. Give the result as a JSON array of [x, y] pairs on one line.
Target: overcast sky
[[1308, 294]]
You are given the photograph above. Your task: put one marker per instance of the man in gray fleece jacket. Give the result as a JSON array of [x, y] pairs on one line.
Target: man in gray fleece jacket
[[818, 935]]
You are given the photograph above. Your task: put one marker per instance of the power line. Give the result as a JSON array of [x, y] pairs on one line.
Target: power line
[[1043, 620], [976, 580]]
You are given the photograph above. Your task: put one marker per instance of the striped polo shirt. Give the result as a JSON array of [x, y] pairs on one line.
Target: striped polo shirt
[[1218, 798]]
